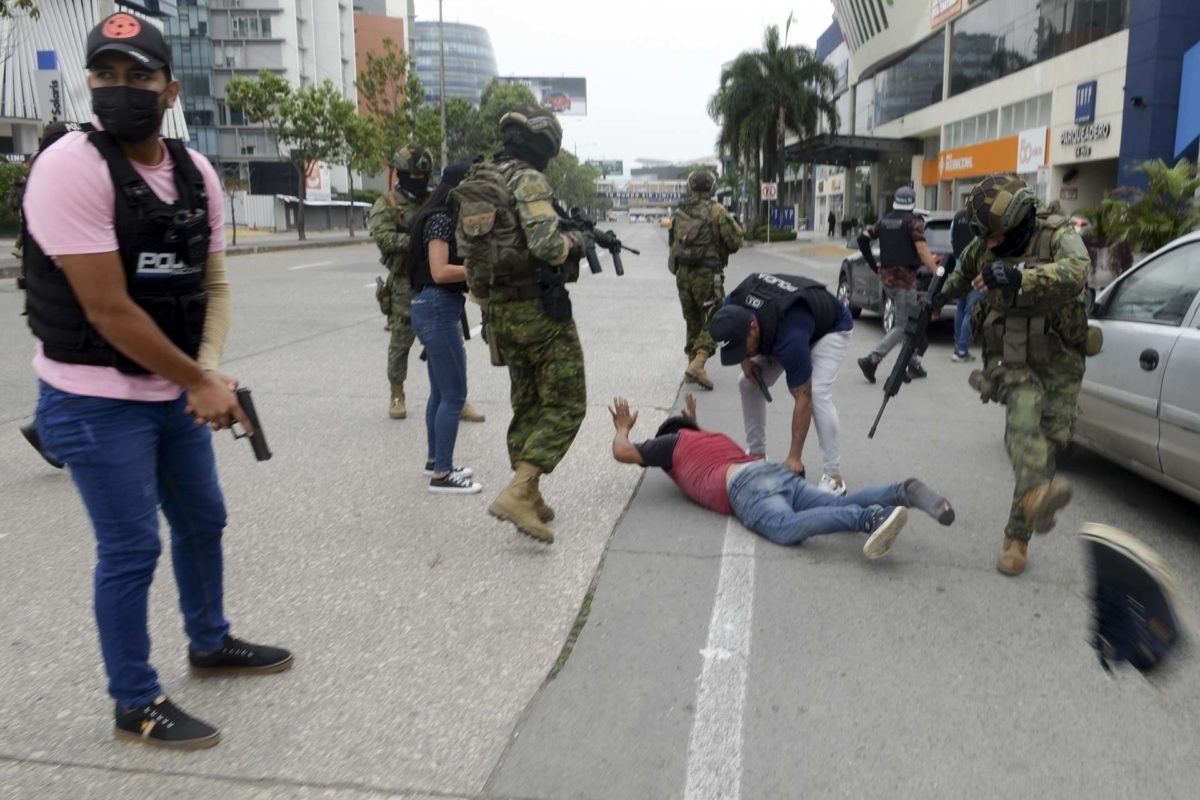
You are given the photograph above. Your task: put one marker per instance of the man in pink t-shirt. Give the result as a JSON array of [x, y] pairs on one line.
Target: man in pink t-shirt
[[127, 297], [768, 498]]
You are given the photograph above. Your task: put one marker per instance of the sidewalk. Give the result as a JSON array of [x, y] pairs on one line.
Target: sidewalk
[[248, 242], [810, 243]]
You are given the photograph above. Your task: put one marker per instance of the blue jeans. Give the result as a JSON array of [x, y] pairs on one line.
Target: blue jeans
[[127, 459], [962, 320], [435, 317], [776, 503]]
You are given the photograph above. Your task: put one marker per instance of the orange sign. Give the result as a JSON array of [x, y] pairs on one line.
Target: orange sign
[[998, 155]]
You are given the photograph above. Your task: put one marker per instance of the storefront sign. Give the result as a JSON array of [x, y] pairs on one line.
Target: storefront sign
[[49, 86], [942, 10], [1085, 103], [1086, 133], [999, 155], [1032, 146]]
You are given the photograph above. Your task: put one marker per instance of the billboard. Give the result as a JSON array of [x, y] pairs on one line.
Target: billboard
[[565, 96], [608, 167]]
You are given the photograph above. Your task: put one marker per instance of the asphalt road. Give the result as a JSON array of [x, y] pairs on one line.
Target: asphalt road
[[711, 664]]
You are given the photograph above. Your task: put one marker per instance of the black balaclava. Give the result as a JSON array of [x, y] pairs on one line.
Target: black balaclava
[[534, 150], [414, 185], [1016, 240]]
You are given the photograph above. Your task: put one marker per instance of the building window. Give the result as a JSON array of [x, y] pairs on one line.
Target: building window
[[1000, 37], [912, 83]]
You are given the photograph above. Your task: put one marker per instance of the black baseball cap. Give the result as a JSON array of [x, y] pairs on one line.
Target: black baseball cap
[[730, 326], [136, 38]]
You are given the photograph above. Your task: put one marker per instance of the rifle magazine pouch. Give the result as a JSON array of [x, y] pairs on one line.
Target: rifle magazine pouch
[[1039, 342], [1015, 349]]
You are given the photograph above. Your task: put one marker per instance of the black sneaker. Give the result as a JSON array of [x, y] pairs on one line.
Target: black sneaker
[[462, 472], [454, 483], [161, 723], [884, 526], [868, 366], [1136, 606], [239, 658], [31, 435], [915, 370]]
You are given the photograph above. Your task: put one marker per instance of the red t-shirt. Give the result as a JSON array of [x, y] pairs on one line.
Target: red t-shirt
[[697, 461]]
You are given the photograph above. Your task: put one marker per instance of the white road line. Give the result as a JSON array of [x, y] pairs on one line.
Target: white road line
[[368, 286], [310, 266], [714, 770]]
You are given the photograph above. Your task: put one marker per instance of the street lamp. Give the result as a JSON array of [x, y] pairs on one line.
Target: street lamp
[[442, 79]]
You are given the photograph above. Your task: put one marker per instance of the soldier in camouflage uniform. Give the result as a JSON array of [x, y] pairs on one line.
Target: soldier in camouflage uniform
[[517, 261], [390, 217], [702, 236], [1032, 325]]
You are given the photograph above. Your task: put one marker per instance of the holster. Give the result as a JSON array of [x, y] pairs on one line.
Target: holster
[[489, 336], [554, 299]]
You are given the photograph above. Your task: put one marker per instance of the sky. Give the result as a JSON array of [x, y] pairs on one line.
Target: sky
[[651, 65]]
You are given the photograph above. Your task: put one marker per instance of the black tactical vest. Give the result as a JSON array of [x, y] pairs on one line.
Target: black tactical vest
[[164, 249], [896, 247], [770, 296]]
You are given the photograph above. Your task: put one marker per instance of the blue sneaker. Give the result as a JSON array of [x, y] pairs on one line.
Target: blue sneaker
[[1136, 606], [884, 526]]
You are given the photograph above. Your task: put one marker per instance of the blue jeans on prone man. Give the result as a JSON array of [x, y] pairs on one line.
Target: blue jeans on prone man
[[128, 458], [962, 321], [435, 318], [776, 503]]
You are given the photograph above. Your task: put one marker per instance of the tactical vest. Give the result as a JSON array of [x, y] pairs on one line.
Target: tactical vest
[[1017, 326], [770, 296], [696, 235], [404, 209], [896, 246], [163, 248]]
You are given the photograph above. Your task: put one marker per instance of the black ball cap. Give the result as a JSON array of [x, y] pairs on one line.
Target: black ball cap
[[730, 326], [136, 38]]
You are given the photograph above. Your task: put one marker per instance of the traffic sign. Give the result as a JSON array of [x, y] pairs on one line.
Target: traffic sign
[[770, 191]]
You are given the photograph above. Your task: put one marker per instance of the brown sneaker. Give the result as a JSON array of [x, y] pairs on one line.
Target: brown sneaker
[[1015, 556], [1041, 503], [469, 414], [396, 407]]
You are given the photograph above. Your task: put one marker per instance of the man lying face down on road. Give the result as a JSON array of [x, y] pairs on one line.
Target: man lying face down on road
[[766, 496]]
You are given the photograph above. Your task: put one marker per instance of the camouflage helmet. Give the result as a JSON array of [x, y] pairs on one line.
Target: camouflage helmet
[[412, 159], [538, 122], [701, 181], [997, 204]]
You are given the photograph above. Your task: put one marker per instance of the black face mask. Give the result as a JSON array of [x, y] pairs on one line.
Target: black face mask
[[417, 187], [131, 115]]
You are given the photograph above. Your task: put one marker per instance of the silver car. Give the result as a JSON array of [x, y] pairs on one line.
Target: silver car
[[1140, 402]]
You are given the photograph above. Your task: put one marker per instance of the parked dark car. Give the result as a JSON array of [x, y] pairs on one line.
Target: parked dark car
[[861, 289]]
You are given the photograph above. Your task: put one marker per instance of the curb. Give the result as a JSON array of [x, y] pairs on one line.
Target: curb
[[13, 270]]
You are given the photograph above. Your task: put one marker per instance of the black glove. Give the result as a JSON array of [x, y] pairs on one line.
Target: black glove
[[999, 275]]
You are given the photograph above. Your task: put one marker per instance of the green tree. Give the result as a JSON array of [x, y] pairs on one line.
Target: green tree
[[765, 94], [1166, 210], [392, 94], [10, 7], [574, 184], [361, 149]]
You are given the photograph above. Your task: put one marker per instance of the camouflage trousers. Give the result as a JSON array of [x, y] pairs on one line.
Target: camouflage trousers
[[545, 367], [400, 321], [701, 291], [1041, 403]]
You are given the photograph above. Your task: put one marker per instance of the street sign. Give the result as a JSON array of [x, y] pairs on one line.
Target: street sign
[[770, 191]]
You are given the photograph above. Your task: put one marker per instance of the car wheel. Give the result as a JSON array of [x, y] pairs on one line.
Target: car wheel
[[843, 294], [889, 314]]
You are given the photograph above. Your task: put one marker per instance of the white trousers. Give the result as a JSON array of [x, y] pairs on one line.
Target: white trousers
[[827, 355]]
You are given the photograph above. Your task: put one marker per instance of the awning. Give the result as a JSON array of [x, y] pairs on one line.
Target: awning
[[847, 151]]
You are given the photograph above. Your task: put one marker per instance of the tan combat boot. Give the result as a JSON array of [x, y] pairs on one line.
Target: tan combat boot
[[516, 505], [695, 370], [1015, 556], [545, 512], [469, 414], [1041, 503], [396, 407]]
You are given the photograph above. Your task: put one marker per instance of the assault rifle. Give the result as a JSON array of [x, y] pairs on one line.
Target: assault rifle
[[916, 341], [577, 221], [258, 440]]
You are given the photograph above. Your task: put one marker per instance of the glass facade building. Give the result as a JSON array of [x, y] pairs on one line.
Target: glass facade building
[[912, 83], [1001, 37], [191, 56], [470, 61]]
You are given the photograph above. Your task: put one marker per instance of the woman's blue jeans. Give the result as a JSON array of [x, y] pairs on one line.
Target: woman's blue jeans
[[129, 458], [962, 320], [435, 318], [774, 502]]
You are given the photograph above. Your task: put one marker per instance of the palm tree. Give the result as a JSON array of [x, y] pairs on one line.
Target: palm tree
[[765, 94]]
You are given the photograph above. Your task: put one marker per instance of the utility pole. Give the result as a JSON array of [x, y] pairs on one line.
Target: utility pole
[[442, 79]]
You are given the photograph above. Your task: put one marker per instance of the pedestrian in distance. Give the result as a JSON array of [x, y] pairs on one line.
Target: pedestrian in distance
[[1032, 270], [505, 206], [960, 237], [128, 300], [832, 221], [766, 496], [789, 325], [902, 251], [439, 281], [390, 223], [701, 237]]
